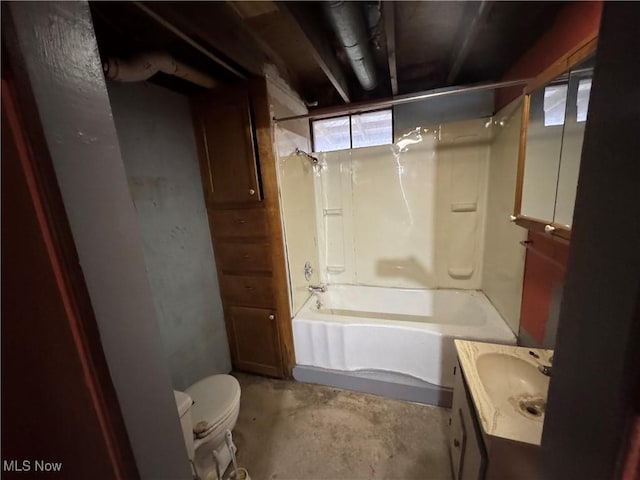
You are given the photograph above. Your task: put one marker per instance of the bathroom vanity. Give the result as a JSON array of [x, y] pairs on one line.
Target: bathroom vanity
[[498, 408]]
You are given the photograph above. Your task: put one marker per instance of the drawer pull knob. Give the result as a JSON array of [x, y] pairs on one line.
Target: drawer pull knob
[[456, 443], [252, 191], [272, 317], [241, 220], [248, 287]]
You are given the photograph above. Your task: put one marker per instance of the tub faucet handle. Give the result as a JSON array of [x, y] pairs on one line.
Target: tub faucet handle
[[317, 288], [308, 270], [543, 369]]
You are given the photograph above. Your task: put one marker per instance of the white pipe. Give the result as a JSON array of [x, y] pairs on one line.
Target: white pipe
[[145, 65]]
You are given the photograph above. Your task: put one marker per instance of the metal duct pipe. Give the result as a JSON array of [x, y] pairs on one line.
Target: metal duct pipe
[[145, 65], [348, 23]]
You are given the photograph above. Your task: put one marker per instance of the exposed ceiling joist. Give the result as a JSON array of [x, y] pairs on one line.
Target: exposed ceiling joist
[[181, 33], [464, 47], [317, 45], [388, 12], [243, 10], [215, 24]]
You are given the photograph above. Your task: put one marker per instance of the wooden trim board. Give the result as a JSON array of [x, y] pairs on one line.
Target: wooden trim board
[[268, 166]]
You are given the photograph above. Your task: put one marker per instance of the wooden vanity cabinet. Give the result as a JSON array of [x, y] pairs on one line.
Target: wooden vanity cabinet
[[237, 165], [478, 456], [468, 455]]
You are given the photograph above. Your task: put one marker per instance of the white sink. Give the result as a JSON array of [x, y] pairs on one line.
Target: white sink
[[507, 377], [508, 390]]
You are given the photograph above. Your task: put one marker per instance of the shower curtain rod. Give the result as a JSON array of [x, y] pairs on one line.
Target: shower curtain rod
[[366, 106]]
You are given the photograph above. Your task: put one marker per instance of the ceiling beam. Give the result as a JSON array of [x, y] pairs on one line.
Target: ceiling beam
[[180, 33], [460, 55], [317, 44], [283, 69], [388, 12], [215, 26]]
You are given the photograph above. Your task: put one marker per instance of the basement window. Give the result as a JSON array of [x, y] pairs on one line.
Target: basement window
[[582, 101], [353, 131], [331, 134], [555, 101]]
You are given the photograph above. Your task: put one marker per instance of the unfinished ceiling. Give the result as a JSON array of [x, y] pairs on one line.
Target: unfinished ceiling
[[400, 47]]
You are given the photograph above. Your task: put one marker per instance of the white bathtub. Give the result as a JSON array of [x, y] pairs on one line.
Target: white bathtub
[[403, 331]]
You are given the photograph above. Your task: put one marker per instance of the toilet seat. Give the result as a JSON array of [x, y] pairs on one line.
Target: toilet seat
[[216, 399]]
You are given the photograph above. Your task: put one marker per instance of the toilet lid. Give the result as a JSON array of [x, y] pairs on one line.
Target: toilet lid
[[183, 402], [214, 397]]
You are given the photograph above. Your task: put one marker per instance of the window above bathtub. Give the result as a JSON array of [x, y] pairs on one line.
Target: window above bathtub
[[353, 131]]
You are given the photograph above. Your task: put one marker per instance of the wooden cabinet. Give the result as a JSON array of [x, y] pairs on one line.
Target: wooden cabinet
[[468, 457], [478, 456], [224, 133], [247, 290], [239, 222], [246, 257], [552, 129], [255, 339], [233, 131]]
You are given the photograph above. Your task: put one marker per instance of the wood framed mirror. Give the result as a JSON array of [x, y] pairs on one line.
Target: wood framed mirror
[[553, 120]]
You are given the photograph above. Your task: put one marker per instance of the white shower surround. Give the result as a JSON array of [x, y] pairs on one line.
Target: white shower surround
[[410, 217], [418, 342]]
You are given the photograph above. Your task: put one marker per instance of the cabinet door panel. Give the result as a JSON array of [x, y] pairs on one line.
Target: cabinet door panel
[[256, 340], [468, 456], [225, 139]]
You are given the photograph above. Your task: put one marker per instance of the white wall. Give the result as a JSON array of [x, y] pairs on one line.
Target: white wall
[[504, 256], [410, 217], [159, 152], [295, 180]]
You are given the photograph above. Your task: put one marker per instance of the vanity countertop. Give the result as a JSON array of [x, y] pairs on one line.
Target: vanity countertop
[[509, 396]]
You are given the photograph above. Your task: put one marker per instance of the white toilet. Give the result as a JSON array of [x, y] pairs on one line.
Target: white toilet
[[207, 409]]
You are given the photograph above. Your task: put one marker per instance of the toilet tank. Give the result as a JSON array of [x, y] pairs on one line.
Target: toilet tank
[[183, 404]]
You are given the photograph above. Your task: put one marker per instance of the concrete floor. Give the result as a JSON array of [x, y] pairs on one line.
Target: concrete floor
[[291, 430]]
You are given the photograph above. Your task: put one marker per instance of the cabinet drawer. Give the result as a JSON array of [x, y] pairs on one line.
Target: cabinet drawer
[[255, 337], [243, 257], [247, 290], [239, 223]]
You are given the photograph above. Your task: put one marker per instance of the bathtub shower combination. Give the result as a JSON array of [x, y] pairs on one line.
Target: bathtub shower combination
[[391, 341]]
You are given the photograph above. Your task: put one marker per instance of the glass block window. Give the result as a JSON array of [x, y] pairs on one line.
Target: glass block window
[[555, 101], [353, 131], [582, 102]]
